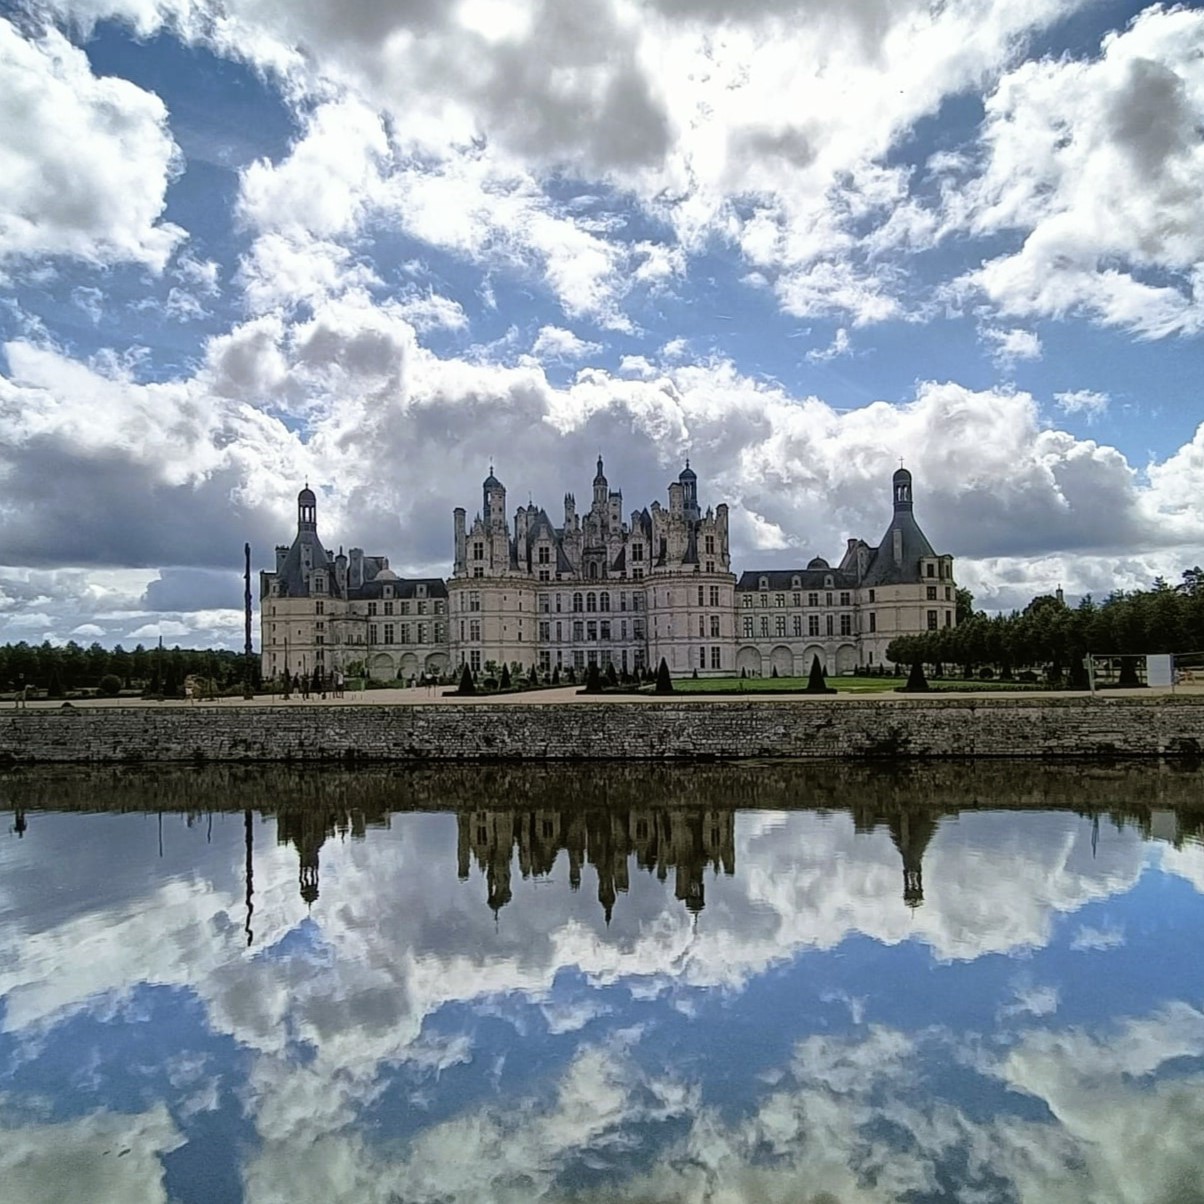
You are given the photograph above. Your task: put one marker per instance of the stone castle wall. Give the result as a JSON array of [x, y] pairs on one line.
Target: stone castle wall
[[668, 730]]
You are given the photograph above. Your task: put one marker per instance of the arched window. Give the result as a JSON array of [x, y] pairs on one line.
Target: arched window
[[577, 602], [591, 602], [593, 572], [604, 601]]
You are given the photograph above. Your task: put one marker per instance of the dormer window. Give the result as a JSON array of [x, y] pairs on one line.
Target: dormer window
[[763, 583], [319, 585], [827, 583], [794, 583], [388, 591], [421, 591]]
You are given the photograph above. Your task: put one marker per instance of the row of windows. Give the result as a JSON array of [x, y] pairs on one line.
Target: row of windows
[[753, 629], [405, 608], [796, 600], [399, 633]]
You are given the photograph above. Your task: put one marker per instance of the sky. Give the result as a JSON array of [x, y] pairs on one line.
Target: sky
[[378, 247]]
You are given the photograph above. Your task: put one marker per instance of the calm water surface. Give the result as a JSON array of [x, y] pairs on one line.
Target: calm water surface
[[762, 983]]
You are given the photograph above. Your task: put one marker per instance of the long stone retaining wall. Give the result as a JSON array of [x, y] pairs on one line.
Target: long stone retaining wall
[[666, 730]]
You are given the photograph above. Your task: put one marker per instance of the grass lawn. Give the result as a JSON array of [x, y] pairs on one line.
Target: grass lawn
[[843, 685]]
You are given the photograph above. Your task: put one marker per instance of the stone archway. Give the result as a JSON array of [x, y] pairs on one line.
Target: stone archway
[[436, 663], [409, 666], [748, 662], [782, 659], [380, 667], [846, 659]]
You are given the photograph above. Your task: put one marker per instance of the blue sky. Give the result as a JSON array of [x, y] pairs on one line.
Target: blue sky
[[1026, 1031], [377, 247]]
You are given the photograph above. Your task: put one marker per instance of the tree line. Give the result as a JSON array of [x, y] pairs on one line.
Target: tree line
[[1050, 638], [67, 668]]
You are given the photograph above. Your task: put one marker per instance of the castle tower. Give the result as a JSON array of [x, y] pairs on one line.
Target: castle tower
[[494, 500], [688, 479], [600, 487], [307, 510]]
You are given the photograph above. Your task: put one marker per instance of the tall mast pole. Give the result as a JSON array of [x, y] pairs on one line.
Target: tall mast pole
[[247, 692]]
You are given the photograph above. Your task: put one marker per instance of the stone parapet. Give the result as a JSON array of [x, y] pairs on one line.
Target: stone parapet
[[700, 730]]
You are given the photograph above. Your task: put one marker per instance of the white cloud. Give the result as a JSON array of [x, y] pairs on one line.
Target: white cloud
[[84, 160], [556, 343], [839, 346], [1007, 347], [1096, 165], [1083, 401]]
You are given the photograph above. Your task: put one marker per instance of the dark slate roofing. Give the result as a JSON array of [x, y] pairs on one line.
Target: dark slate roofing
[[783, 579], [884, 569], [563, 564], [403, 588], [620, 560], [291, 577]]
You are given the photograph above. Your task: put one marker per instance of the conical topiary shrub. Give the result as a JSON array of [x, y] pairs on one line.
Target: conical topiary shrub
[[917, 683], [506, 683], [816, 684], [593, 680], [467, 685], [664, 683]]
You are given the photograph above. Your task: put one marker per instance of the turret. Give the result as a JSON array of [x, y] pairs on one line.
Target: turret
[[600, 488], [307, 510], [901, 483], [688, 480], [494, 508]]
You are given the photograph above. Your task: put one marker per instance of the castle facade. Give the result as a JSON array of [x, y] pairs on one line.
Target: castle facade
[[600, 589]]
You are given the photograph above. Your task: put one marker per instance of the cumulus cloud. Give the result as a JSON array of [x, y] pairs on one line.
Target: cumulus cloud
[[1095, 165], [84, 160], [1009, 346], [556, 343], [1087, 402]]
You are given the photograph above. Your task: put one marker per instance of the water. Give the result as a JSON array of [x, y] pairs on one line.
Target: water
[[763, 983]]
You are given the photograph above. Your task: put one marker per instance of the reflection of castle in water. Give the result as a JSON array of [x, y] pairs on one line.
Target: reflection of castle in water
[[307, 829], [686, 840]]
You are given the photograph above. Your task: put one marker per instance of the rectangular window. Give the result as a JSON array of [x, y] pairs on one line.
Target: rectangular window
[[813, 599], [544, 555], [405, 632], [319, 608], [559, 635], [746, 600], [701, 594], [637, 574], [748, 627], [474, 660], [948, 593], [796, 599], [319, 639], [714, 627], [846, 624], [478, 572], [827, 599], [871, 595], [932, 620], [931, 593], [372, 636], [623, 633], [545, 631], [779, 600], [474, 601], [591, 630], [371, 609], [714, 595], [780, 625], [873, 622], [388, 633], [545, 662], [474, 630], [637, 629], [578, 631], [764, 599], [405, 608], [702, 625], [764, 625], [948, 618], [844, 598], [578, 660], [478, 551], [422, 633], [388, 608], [545, 575], [545, 604], [702, 658], [637, 551], [604, 629], [422, 608], [930, 570], [813, 624], [623, 600], [710, 545], [714, 657], [798, 624]]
